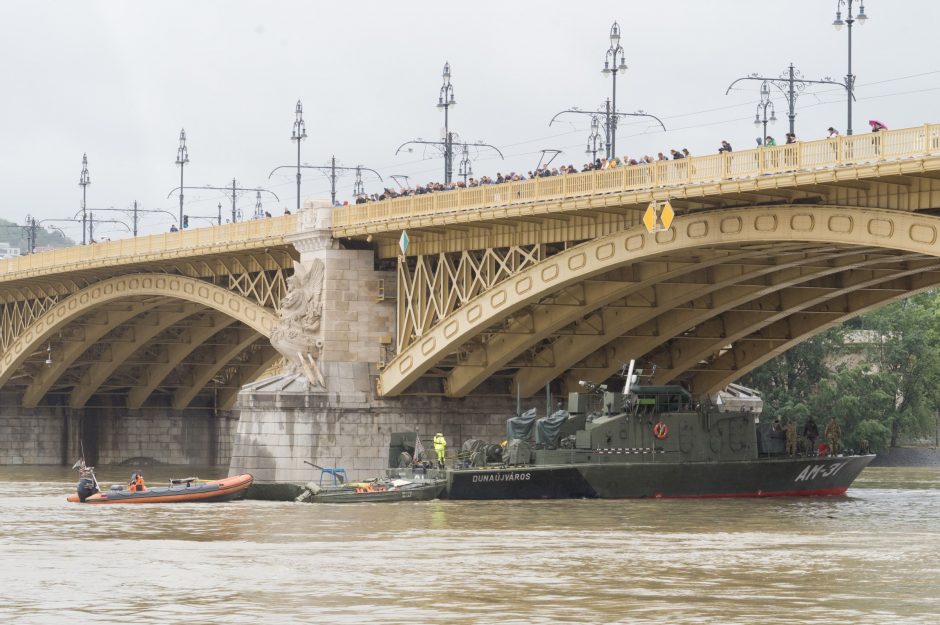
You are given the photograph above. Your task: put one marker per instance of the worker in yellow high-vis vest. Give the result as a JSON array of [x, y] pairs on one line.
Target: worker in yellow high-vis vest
[[440, 447]]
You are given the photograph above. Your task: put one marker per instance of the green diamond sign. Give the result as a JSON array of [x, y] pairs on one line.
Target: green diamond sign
[[403, 242]]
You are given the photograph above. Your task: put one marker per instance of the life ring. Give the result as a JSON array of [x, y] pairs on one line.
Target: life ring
[[660, 430]]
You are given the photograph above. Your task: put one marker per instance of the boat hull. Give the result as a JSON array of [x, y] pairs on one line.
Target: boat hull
[[767, 477], [220, 490], [422, 493]]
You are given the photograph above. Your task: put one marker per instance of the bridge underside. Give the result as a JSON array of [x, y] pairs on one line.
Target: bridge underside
[[155, 351], [155, 334], [717, 295]]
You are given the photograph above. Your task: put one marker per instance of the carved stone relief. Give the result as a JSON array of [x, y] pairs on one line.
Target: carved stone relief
[[298, 336]]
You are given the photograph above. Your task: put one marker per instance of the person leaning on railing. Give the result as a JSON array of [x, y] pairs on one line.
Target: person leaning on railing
[[790, 159]]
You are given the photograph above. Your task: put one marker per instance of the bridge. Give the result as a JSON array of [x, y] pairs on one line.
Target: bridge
[[557, 279], [159, 319], [532, 282]]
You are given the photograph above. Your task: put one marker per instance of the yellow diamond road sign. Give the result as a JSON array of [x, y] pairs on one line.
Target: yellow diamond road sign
[[649, 217], [666, 215]]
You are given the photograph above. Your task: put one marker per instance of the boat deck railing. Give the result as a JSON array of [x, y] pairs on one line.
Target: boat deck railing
[[416, 474]]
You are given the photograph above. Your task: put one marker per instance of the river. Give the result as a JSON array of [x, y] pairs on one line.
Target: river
[[869, 557]]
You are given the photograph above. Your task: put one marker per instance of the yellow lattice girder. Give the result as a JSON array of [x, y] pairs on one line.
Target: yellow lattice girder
[[69, 351], [222, 356], [784, 223], [782, 293], [735, 325], [96, 374], [745, 356], [686, 351], [501, 348], [175, 355], [130, 287]]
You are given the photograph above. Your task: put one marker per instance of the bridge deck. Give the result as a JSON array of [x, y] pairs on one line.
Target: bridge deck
[[246, 236], [858, 157]]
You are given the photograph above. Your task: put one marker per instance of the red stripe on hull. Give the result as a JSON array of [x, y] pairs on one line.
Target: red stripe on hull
[[819, 492]]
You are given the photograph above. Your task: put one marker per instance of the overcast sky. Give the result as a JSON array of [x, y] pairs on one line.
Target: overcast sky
[[119, 79]]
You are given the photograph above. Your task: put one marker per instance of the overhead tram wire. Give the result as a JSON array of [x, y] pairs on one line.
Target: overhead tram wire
[[577, 130]]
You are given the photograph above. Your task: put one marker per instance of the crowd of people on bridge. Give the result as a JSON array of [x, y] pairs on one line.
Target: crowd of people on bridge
[[595, 165]]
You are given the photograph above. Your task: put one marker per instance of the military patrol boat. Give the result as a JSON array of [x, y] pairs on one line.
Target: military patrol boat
[[650, 441]]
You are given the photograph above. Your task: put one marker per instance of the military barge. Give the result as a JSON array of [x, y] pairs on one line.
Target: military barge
[[650, 442]]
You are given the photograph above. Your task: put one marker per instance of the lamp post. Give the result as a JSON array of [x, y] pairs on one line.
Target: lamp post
[[465, 168], [234, 189], [298, 134], [182, 157], [594, 139], [791, 84], [610, 116], [613, 63], [760, 117], [83, 181], [331, 172], [839, 23], [445, 100], [449, 145]]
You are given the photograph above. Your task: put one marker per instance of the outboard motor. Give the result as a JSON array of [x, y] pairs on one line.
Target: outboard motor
[[86, 488], [87, 484]]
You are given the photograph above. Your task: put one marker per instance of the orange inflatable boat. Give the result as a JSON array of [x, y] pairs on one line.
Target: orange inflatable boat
[[177, 491]]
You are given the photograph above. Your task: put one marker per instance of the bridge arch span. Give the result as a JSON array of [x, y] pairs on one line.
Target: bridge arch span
[[135, 288], [851, 239]]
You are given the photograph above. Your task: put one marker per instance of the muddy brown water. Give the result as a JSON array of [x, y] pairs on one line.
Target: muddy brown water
[[870, 557]]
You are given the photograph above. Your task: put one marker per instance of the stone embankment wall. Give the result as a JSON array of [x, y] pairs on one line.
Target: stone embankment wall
[[908, 457], [32, 437], [276, 433], [111, 435]]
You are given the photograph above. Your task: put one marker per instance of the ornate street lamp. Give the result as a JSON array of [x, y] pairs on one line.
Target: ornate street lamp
[[445, 100], [614, 62], [83, 181], [760, 117], [182, 157], [465, 168], [849, 21], [298, 134], [594, 139]]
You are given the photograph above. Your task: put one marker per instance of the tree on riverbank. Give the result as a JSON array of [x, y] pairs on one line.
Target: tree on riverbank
[[880, 388], [15, 235]]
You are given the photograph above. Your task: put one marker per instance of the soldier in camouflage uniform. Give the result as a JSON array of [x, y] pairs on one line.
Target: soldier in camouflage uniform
[[834, 436], [790, 430]]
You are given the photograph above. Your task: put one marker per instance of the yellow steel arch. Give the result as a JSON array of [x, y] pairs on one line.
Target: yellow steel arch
[[174, 355], [134, 286], [742, 309], [784, 224]]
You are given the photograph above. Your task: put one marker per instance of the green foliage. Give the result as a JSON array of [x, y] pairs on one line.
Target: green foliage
[[875, 432], [878, 375], [15, 235]]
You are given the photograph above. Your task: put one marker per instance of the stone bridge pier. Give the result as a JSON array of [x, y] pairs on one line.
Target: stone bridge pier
[[336, 325]]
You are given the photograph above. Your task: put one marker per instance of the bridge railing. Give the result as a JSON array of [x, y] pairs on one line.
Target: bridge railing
[[165, 245], [801, 156]]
